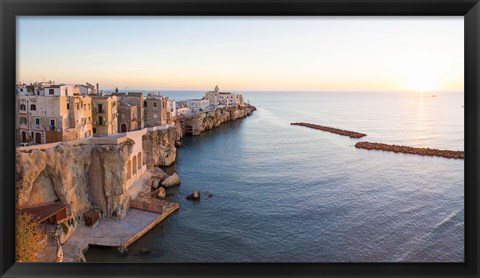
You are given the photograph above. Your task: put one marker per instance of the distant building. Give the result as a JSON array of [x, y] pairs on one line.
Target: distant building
[[173, 110], [137, 99], [87, 89], [218, 98], [44, 116], [127, 115], [182, 111], [157, 110], [104, 115], [59, 90], [198, 105]]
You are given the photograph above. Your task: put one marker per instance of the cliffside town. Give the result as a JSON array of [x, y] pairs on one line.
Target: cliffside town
[[106, 170]]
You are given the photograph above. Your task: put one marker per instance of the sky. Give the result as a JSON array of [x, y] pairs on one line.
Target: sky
[[415, 54]]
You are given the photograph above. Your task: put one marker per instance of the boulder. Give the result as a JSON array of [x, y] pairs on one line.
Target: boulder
[[161, 193], [155, 184], [178, 144], [158, 173], [171, 181], [195, 195], [208, 194]]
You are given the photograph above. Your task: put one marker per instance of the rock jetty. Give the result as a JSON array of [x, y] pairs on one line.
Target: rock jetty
[[410, 150], [342, 132]]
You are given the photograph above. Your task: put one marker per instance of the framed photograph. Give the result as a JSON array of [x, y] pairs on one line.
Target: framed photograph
[[250, 138]]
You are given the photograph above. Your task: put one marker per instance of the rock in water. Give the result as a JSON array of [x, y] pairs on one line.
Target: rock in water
[[171, 180], [195, 195], [155, 184], [178, 144], [144, 251], [161, 193], [158, 173]]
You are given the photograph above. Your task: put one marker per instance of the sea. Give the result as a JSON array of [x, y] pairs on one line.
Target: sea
[[283, 193]]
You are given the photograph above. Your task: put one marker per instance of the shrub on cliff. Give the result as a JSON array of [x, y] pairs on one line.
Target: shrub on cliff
[[29, 240]]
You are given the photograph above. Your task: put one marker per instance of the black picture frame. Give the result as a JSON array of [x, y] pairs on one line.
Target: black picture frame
[[470, 9]]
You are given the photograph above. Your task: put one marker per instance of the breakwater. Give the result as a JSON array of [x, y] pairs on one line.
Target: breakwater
[[342, 132], [410, 150]]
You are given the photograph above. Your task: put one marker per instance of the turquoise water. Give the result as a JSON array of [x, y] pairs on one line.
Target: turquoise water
[[286, 193]]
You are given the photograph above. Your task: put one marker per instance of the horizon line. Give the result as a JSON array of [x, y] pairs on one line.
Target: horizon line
[[300, 91]]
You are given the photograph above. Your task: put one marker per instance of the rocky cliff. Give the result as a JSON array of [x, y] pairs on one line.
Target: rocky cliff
[[159, 146], [212, 119], [83, 175]]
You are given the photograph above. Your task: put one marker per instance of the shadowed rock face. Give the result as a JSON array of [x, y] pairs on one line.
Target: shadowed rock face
[[83, 176], [212, 119], [159, 147], [80, 176]]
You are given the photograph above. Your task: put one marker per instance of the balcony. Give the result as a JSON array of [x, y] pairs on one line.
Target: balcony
[[96, 110]]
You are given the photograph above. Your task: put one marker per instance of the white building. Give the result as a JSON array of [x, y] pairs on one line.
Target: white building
[[58, 90], [197, 105], [217, 98], [182, 111]]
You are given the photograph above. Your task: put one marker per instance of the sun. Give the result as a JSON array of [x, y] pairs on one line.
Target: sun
[[421, 84]]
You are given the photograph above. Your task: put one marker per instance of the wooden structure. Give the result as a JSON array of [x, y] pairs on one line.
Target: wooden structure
[[44, 211], [151, 205]]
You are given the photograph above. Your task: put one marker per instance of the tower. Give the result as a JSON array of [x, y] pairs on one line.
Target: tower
[[216, 89]]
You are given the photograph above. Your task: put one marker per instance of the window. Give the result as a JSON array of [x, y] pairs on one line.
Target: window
[[114, 103], [145, 103], [89, 119], [23, 120], [37, 121], [52, 123], [22, 107], [68, 106], [51, 91], [100, 108], [94, 130], [154, 104], [78, 106], [155, 116], [100, 120]]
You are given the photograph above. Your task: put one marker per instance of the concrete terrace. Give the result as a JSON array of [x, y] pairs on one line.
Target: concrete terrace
[[116, 138], [115, 233]]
